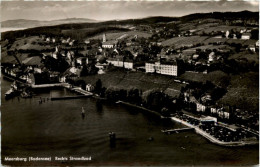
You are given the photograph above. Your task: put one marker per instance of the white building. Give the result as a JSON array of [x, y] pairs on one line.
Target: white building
[[200, 107], [211, 57], [90, 88], [252, 48], [246, 36], [169, 68], [82, 60], [128, 64], [119, 62], [109, 44]]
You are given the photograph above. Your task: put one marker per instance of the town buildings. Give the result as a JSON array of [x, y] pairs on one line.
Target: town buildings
[[162, 67], [246, 36]]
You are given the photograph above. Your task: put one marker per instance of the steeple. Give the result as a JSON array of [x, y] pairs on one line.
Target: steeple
[[104, 38]]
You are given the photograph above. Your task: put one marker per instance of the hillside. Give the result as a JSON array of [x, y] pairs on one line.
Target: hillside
[[142, 81], [222, 15], [243, 92]]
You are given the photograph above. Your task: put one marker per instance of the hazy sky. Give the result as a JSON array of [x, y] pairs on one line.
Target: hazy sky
[[109, 10]]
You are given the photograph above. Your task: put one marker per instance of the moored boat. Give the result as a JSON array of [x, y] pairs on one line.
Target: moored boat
[[9, 94]]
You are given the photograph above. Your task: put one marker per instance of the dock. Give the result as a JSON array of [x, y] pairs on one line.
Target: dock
[[177, 130], [70, 97], [81, 91]]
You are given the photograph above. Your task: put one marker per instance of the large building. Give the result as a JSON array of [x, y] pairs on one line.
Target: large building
[[246, 36], [118, 61], [166, 68], [108, 44]]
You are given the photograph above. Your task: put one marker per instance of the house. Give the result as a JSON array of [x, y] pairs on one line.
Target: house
[[90, 88], [246, 36], [226, 115], [54, 76], [128, 64], [48, 39], [162, 67], [30, 79], [82, 61], [211, 57], [63, 78], [200, 107], [213, 110], [109, 44], [117, 61], [195, 57], [252, 48], [71, 42], [87, 41]]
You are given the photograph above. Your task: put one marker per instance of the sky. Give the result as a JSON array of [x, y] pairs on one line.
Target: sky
[[111, 10]]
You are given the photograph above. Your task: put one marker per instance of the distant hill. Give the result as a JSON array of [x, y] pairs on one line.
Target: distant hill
[[74, 25], [23, 23], [222, 15]]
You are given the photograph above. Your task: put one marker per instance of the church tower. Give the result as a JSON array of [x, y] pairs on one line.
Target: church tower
[[104, 38]]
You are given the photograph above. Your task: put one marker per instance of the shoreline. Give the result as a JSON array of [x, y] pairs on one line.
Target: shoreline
[[210, 137], [197, 129], [139, 107]]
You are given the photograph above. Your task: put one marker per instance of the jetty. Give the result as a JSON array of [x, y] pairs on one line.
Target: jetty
[[81, 91], [177, 130], [47, 85]]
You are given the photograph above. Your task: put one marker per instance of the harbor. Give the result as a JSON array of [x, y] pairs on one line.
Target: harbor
[[213, 139], [58, 130]]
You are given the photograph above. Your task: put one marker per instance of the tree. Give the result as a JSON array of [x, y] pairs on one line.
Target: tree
[[98, 86], [156, 99], [255, 34], [134, 96]]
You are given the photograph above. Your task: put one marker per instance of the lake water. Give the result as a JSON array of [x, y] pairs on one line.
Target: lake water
[[56, 128]]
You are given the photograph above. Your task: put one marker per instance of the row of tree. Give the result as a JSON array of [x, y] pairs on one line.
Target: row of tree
[[154, 99]]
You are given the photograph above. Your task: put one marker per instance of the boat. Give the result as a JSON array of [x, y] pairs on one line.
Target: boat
[[9, 94], [82, 112], [26, 94]]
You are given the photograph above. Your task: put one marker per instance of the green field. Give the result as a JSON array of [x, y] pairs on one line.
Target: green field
[[245, 55], [29, 43], [113, 36], [140, 80], [181, 41], [222, 28], [214, 39]]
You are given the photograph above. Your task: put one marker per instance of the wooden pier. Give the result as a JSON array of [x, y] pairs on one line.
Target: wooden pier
[[170, 131]]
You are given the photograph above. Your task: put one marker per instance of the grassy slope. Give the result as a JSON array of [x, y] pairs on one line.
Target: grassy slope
[[140, 80], [243, 91], [179, 41], [218, 78], [245, 55], [113, 36], [26, 44]]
